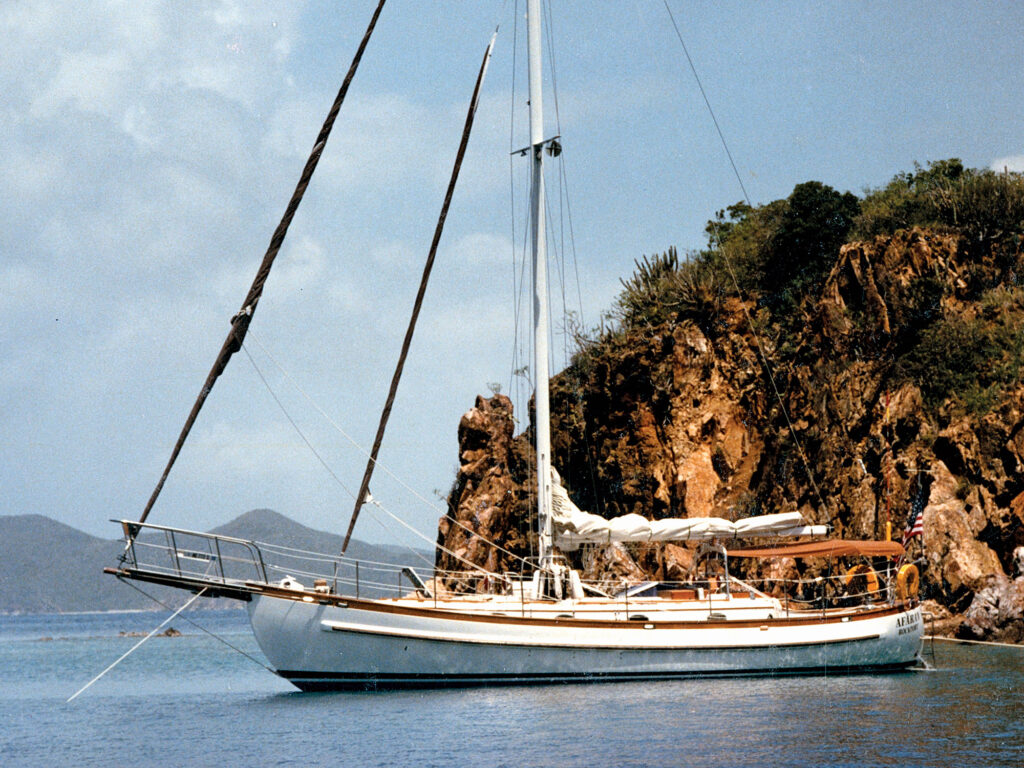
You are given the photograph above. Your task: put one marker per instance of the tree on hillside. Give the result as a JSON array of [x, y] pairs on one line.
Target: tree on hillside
[[814, 226], [784, 248]]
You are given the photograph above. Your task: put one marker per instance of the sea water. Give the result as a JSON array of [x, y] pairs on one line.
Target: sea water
[[194, 701]]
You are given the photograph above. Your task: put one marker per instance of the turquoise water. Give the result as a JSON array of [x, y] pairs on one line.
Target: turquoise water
[[192, 701]]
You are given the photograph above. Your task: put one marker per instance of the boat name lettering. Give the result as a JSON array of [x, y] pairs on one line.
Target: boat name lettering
[[908, 622]]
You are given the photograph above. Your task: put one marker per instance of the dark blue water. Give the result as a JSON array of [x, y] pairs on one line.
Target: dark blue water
[[192, 701]]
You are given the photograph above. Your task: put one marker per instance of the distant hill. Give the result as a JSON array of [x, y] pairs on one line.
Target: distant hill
[[50, 567], [266, 525]]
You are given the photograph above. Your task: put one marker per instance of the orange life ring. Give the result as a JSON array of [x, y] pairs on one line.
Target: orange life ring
[[866, 571], [908, 582]]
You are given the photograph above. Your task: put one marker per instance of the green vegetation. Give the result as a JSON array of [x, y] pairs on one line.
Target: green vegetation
[[784, 249], [907, 201], [663, 287], [970, 360], [779, 255], [986, 208]]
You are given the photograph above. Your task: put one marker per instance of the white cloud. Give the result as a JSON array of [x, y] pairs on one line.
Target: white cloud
[[480, 249], [90, 82], [300, 269], [261, 467], [1013, 163], [230, 452], [387, 147], [20, 288], [394, 254]]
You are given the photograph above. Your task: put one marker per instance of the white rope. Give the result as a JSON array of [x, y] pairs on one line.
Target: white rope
[[344, 487], [124, 656], [402, 522], [301, 434], [336, 426], [200, 627], [974, 642], [295, 426], [322, 557]]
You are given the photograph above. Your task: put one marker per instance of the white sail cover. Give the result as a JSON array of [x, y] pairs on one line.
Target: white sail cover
[[573, 527]]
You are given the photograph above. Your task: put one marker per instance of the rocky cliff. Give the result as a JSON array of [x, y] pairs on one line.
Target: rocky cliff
[[832, 408]]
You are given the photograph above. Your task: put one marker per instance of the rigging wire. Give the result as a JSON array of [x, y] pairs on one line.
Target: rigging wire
[[242, 319], [198, 626], [565, 204], [361, 450], [559, 249], [369, 497], [562, 175], [732, 274], [131, 650], [513, 385], [707, 102], [301, 434], [364, 487], [295, 426], [519, 372], [520, 375], [517, 380], [322, 557], [472, 565], [572, 236]]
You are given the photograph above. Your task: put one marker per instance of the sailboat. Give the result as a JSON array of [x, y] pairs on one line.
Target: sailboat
[[326, 623]]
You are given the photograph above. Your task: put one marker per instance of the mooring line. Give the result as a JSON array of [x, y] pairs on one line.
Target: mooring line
[[201, 628], [130, 650], [974, 642]]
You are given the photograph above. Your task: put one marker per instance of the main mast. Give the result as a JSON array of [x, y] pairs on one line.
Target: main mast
[[540, 286]]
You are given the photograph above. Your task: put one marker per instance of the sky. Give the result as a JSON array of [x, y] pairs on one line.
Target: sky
[[150, 149]]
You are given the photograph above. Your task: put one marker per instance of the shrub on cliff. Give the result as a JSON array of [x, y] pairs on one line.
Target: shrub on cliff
[[804, 247], [986, 207], [645, 296], [782, 250], [780, 254], [971, 361], [908, 200], [663, 286]]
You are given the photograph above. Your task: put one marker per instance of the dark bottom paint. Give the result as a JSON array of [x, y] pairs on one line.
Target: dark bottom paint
[[343, 681]]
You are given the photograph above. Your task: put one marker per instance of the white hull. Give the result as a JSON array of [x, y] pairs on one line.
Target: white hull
[[367, 644]]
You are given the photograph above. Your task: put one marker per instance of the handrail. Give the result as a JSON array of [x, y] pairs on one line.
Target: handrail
[[136, 547], [172, 552], [137, 526], [196, 557]]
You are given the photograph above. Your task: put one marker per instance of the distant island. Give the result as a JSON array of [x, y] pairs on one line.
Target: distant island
[[50, 567]]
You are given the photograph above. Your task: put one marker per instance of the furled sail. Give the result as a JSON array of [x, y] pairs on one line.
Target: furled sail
[[573, 526]]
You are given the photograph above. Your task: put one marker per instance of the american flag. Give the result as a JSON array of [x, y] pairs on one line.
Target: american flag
[[915, 524]]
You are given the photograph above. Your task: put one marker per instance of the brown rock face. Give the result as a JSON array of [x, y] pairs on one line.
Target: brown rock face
[[673, 420], [997, 610], [951, 543], [489, 503]]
